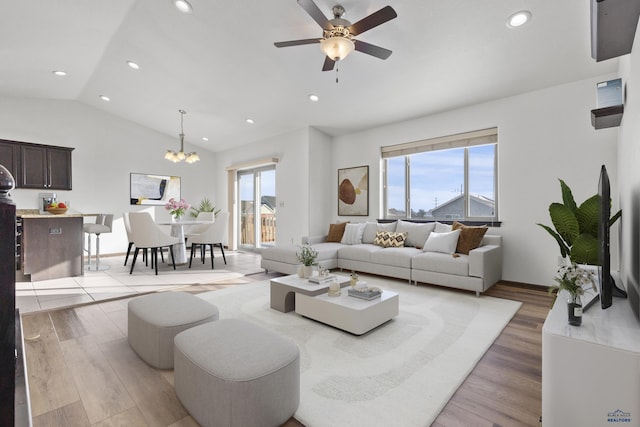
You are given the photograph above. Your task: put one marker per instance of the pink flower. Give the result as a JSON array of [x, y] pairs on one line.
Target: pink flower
[[177, 208]]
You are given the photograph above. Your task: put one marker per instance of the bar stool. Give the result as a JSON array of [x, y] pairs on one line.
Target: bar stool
[[103, 224]]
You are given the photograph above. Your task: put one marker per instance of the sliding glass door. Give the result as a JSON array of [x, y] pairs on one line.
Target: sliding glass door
[[257, 195]]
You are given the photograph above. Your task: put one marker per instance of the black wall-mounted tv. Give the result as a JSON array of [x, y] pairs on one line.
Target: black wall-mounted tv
[[608, 287]]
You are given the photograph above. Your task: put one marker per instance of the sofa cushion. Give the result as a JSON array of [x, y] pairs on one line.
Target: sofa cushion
[[470, 237], [441, 263], [335, 232], [390, 239], [442, 242], [369, 232], [327, 250], [353, 234], [417, 233], [358, 252], [371, 228], [396, 257]]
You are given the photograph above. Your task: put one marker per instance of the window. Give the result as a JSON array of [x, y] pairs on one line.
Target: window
[[448, 178]]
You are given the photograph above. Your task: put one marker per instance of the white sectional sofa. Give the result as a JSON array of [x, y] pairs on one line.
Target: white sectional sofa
[[428, 254]]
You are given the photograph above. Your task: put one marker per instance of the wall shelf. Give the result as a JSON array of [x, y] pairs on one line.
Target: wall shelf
[[607, 117]]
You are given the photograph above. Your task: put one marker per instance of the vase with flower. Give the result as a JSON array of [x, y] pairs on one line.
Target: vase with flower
[[572, 279], [177, 208]]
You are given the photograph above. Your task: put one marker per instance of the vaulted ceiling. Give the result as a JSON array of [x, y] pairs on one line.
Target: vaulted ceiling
[[220, 65]]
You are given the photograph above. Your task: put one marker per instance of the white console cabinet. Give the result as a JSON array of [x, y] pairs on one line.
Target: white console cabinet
[[591, 373]]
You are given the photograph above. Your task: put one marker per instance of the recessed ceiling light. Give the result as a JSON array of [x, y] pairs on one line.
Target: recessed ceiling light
[[133, 65], [518, 19], [204, 138], [59, 73], [250, 121], [314, 97], [183, 6], [105, 98]]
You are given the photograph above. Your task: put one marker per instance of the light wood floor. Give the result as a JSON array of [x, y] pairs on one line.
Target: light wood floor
[[82, 372]]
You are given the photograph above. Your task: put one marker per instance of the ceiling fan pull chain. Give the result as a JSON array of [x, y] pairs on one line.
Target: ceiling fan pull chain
[[337, 69]]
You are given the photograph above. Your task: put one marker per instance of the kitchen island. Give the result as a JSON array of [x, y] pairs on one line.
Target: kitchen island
[[51, 246]]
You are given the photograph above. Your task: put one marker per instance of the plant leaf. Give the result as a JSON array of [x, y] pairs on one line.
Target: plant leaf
[[565, 222], [585, 250], [587, 215], [564, 249], [567, 197]]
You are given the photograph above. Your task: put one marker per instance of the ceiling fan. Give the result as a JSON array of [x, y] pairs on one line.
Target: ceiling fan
[[338, 34]]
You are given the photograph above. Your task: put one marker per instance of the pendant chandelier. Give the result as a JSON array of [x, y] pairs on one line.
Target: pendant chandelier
[[181, 156]]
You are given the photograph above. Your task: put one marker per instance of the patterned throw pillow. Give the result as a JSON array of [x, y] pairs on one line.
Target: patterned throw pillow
[[390, 239]]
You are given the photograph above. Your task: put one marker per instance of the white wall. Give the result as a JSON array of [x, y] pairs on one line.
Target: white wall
[[292, 179], [543, 136], [628, 169], [107, 149]]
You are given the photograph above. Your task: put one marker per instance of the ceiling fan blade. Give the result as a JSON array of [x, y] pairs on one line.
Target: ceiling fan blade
[[296, 42], [371, 49], [376, 18], [312, 9], [328, 64]]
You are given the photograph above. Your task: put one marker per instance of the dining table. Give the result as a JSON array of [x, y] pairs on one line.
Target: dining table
[[177, 230]]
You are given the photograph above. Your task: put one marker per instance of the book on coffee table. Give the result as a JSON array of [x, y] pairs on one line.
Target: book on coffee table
[[366, 295], [322, 280]]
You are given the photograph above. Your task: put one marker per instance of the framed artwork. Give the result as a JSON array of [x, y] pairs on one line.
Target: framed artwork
[[353, 191], [148, 189]]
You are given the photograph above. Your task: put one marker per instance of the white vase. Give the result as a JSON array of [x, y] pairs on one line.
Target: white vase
[[307, 271], [301, 271]]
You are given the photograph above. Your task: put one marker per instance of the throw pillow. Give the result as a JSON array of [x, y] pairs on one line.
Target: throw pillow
[[353, 234], [442, 242], [336, 231], [442, 228], [470, 237], [390, 239], [417, 232]]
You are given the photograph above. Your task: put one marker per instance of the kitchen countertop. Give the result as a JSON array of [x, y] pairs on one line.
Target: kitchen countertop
[[35, 213]]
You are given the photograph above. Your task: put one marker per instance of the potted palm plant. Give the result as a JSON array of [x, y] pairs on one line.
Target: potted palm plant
[[576, 227], [204, 206], [307, 257]]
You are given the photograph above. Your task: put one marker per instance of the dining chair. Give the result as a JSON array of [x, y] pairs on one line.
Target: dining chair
[[146, 234], [210, 217], [213, 235]]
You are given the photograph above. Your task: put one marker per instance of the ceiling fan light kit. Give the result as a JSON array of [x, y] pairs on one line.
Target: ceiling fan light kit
[[338, 34], [337, 47]]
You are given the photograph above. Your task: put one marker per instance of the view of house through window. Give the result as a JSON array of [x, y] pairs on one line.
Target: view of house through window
[[438, 182], [257, 195]]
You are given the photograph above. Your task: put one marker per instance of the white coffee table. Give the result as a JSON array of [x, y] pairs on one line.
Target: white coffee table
[[284, 288], [350, 314]]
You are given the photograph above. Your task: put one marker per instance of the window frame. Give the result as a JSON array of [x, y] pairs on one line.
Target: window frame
[[464, 140]]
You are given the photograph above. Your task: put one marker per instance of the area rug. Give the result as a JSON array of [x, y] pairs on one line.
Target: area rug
[[401, 373]]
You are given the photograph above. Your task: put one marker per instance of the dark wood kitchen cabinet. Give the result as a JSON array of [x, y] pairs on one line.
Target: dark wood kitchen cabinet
[[10, 158], [37, 166]]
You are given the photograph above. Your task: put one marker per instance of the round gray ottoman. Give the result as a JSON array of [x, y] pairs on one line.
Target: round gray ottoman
[[154, 320], [236, 373]]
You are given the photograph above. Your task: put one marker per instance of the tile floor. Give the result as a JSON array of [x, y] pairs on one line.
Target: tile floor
[[116, 282]]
